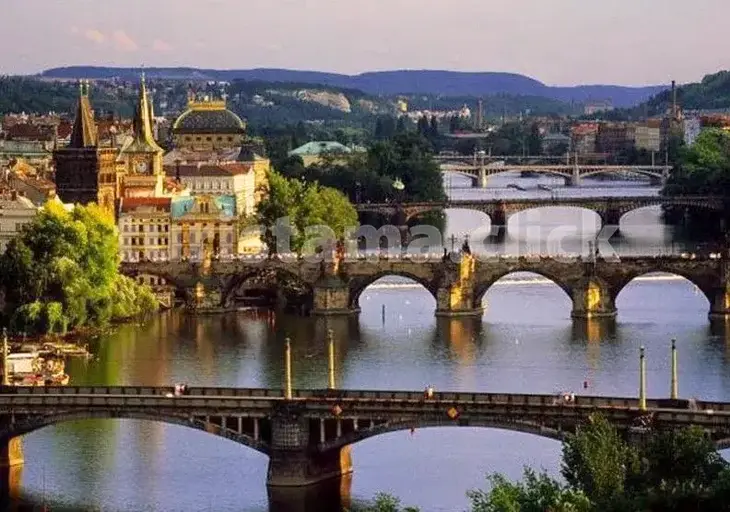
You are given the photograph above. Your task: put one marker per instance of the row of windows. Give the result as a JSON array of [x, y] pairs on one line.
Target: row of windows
[[150, 241], [18, 227], [219, 138], [210, 185], [164, 240], [151, 280], [151, 229]]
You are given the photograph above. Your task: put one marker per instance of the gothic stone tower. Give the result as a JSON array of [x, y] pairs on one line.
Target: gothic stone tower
[[85, 172]]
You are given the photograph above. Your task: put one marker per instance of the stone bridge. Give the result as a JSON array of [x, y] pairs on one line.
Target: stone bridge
[[458, 285], [307, 436], [609, 209]]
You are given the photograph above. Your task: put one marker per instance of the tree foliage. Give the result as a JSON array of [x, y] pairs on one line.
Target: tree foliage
[[305, 205], [671, 471], [61, 273], [703, 168]]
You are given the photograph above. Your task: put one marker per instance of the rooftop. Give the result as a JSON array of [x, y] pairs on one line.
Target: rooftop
[[208, 169], [316, 148]]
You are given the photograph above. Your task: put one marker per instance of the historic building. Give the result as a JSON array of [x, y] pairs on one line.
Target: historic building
[[144, 228], [204, 224], [15, 212], [235, 179], [85, 172], [208, 125], [142, 174]]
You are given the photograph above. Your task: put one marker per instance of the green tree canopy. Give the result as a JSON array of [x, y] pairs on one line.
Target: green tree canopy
[[62, 273], [306, 205]]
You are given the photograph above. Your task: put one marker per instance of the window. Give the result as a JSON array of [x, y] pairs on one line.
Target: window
[[208, 139], [192, 238], [126, 241], [167, 228], [229, 238], [126, 228], [179, 238]]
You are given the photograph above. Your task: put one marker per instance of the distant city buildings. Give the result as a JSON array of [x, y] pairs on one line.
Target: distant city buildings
[[595, 107]]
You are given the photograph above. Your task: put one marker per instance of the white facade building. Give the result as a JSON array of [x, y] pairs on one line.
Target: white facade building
[[15, 212], [235, 179], [144, 228]]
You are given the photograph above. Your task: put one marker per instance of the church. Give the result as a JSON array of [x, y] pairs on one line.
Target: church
[[162, 203]]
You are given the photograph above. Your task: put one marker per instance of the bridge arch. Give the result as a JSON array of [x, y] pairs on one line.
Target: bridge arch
[[272, 277], [483, 287], [30, 424], [385, 428], [701, 283], [643, 172], [359, 284]]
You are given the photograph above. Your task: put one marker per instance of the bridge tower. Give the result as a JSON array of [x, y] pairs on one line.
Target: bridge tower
[[456, 296]]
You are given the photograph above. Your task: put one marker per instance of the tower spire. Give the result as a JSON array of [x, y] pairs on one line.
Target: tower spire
[[143, 135], [84, 133]]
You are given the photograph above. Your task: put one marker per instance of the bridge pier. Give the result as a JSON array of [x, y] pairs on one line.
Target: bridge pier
[[201, 298], [720, 304], [592, 299], [295, 460], [457, 297], [332, 297]]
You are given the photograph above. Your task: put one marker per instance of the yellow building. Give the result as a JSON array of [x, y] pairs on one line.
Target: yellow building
[[208, 125]]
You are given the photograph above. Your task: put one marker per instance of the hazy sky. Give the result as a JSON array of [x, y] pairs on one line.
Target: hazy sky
[[560, 42]]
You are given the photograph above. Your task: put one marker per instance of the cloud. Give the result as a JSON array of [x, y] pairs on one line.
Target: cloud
[[161, 46], [74, 30], [95, 35], [123, 42]]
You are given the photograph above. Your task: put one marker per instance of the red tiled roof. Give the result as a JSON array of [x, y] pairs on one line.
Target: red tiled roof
[[225, 169], [132, 203], [30, 132]]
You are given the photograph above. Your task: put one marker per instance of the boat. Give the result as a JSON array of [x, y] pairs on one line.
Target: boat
[[545, 187], [30, 369]]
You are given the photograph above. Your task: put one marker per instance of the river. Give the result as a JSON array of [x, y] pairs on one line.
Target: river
[[526, 342]]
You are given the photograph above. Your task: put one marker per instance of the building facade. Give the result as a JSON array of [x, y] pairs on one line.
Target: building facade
[[15, 212], [237, 179], [204, 224], [649, 136], [144, 228]]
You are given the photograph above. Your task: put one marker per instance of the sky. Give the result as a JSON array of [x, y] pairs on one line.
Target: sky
[[559, 42]]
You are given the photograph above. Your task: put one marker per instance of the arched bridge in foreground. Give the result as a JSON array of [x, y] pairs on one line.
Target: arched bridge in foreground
[[307, 436], [609, 209]]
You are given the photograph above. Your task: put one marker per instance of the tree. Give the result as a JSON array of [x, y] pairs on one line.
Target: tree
[[62, 273], [536, 493], [598, 462], [304, 205], [387, 503]]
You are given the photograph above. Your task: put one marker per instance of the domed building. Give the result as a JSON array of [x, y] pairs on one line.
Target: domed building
[[207, 125]]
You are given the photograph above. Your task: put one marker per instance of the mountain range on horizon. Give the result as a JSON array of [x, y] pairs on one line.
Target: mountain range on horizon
[[388, 83]]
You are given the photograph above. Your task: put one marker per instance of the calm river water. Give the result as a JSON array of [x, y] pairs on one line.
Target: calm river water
[[525, 343]]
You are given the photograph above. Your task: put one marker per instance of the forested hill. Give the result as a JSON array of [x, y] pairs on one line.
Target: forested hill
[[712, 93], [446, 83]]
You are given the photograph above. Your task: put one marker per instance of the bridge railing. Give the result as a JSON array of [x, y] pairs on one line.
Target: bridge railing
[[359, 395]]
